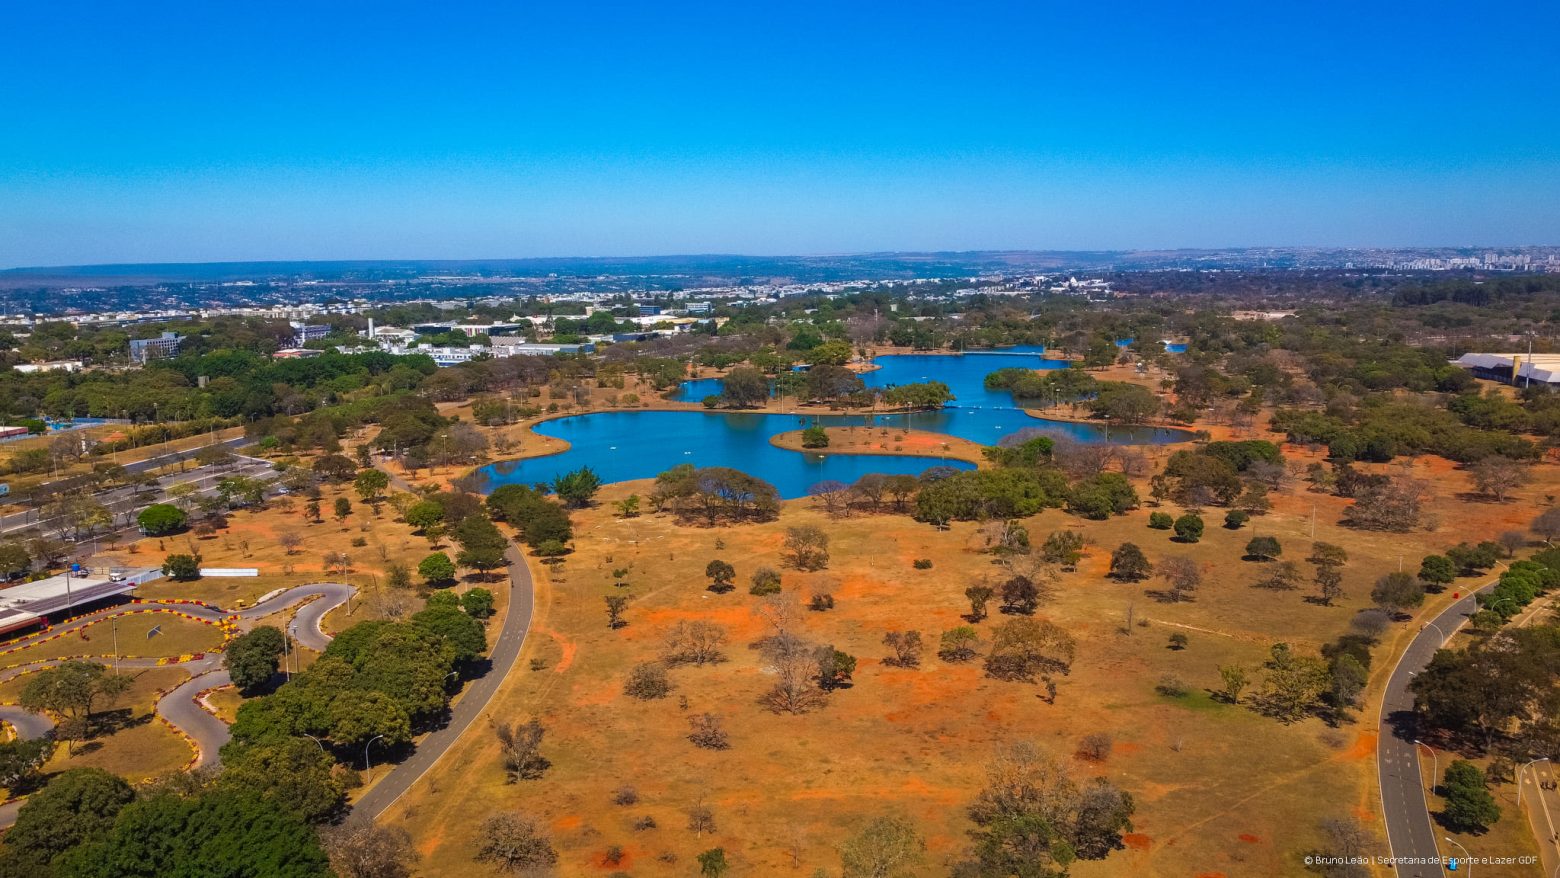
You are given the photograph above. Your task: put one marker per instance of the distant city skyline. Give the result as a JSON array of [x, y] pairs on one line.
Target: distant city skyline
[[401, 131]]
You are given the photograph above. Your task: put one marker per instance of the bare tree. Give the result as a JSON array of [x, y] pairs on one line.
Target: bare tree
[[695, 643], [1096, 746], [289, 541], [521, 749], [1182, 575], [360, 849], [907, 648], [705, 730], [807, 547], [1497, 476], [1547, 524], [513, 843]]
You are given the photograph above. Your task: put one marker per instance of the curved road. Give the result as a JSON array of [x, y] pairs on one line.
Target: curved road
[[1410, 833], [209, 733], [502, 655]]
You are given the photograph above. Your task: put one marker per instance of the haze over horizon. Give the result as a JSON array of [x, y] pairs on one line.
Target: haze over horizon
[[392, 131]]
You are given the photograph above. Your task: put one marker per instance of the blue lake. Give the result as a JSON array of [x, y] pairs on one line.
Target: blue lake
[[640, 444]]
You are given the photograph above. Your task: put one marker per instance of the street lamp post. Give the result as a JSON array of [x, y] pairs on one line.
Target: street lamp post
[[368, 766], [1467, 857], [1520, 802], [1434, 763], [315, 740]]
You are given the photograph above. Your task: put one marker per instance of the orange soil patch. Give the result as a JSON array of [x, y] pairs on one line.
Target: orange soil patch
[[568, 647], [1364, 746], [1137, 841], [1248, 838]]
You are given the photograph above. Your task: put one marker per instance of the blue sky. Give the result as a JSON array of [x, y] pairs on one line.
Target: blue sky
[[216, 131]]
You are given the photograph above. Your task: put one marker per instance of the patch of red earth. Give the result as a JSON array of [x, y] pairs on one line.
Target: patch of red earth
[[1137, 841], [1210, 875], [1127, 747], [568, 647], [1248, 838], [1364, 746], [568, 822]]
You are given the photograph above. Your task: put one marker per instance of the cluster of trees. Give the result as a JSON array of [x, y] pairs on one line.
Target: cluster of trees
[[375, 684], [543, 524], [88, 823], [714, 493], [1237, 474], [1034, 819]]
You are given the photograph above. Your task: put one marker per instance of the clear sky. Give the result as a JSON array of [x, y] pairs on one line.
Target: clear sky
[[277, 130]]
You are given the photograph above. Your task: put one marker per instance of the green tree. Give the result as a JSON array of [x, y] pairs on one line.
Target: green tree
[[1129, 564], [167, 835], [291, 773], [815, 437], [436, 569], [77, 805], [1235, 519], [458, 629], [14, 560], [1161, 520], [1189, 528], [357, 717], [342, 508], [161, 519], [370, 485], [72, 691], [712, 863], [181, 567], [1437, 570], [1396, 592], [720, 575], [20, 761], [478, 603], [482, 547], [979, 596], [578, 487], [253, 658], [425, 514], [1469, 805], [1263, 548]]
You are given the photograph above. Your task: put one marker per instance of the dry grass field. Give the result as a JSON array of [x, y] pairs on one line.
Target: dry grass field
[[1219, 788]]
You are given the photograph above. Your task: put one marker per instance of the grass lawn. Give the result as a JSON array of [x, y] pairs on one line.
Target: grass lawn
[[178, 636]]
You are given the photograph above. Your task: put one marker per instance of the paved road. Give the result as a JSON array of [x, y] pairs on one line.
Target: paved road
[[209, 733], [78, 483], [1410, 832], [479, 692]]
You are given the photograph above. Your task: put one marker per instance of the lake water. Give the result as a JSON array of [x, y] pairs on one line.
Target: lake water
[[626, 445]]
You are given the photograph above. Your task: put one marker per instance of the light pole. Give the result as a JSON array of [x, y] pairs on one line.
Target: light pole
[[315, 740], [1434, 763], [368, 766], [1467, 857], [1519, 777]]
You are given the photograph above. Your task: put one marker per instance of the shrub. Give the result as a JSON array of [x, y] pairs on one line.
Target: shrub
[[766, 581], [647, 681], [821, 601], [1161, 520], [1189, 528], [922, 564], [1236, 518]]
